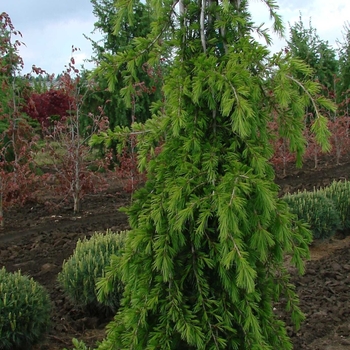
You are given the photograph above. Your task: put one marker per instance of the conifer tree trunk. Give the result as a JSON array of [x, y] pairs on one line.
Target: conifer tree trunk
[[203, 263]]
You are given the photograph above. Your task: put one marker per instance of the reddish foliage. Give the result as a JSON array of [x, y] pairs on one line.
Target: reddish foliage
[[282, 156], [43, 107], [340, 141], [21, 185], [340, 138], [128, 164], [313, 149], [67, 181], [127, 168], [72, 174], [68, 146], [18, 179], [8, 50]]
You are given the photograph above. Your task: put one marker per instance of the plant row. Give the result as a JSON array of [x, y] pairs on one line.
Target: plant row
[[88, 277], [326, 210], [25, 306], [283, 157]]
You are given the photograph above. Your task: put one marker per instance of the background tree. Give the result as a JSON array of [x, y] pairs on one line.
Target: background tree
[[11, 64], [204, 261], [48, 106], [18, 179], [343, 94], [67, 141], [114, 42], [306, 44]]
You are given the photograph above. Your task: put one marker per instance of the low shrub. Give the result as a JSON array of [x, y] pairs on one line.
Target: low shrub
[[24, 311], [87, 264], [317, 210], [339, 193]]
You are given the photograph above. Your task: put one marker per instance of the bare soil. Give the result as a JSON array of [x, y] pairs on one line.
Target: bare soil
[[36, 240]]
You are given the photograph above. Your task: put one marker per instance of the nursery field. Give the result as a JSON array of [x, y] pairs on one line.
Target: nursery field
[[36, 240]]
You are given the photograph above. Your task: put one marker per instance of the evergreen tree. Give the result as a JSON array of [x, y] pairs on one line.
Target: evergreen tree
[[306, 44], [343, 92], [113, 43], [204, 261]]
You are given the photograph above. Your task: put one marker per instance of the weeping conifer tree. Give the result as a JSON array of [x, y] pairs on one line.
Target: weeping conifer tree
[[203, 263]]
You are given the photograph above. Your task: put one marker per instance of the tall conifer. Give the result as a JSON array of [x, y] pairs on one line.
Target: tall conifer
[[204, 261], [306, 44], [110, 80], [344, 71]]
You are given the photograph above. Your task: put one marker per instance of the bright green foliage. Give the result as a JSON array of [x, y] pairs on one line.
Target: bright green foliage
[[24, 311], [339, 193], [318, 210], [82, 270], [203, 262]]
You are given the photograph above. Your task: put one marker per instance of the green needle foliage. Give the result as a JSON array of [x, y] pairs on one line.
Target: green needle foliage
[[86, 266], [24, 311], [339, 193], [317, 209], [203, 262]]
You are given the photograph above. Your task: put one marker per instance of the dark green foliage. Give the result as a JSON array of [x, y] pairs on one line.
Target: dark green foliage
[[109, 81], [318, 210], [83, 269], [24, 311], [118, 105], [339, 193], [343, 86], [3, 126], [305, 44], [326, 210]]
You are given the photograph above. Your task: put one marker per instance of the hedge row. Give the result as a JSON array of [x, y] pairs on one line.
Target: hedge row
[[326, 210]]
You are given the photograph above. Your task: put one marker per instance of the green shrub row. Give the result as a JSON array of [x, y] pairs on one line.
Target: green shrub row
[[86, 266], [326, 210], [25, 305], [339, 194], [24, 311]]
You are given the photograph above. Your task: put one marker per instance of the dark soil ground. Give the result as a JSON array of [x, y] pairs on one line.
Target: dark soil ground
[[36, 240]]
